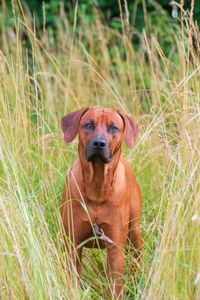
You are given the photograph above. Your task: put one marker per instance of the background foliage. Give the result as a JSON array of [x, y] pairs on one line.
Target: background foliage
[[86, 57], [109, 8], [138, 11]]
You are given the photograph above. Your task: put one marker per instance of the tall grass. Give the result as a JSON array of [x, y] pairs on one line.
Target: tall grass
[[42, 77]]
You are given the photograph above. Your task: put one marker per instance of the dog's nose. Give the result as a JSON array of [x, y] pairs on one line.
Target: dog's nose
[[99, 143]]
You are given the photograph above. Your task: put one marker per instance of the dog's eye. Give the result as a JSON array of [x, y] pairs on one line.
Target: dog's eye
[[113, 128], [89, 125]]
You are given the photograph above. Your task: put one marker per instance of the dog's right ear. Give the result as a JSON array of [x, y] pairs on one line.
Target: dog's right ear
[[70, 124], [130, 130]]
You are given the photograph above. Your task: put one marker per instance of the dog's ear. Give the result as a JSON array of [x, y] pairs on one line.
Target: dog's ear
[[130, 129], [70, 124]]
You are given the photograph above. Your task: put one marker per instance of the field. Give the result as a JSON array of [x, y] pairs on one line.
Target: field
[[43, 77]]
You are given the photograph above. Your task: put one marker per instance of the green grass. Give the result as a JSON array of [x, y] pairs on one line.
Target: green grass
[[97, 66]]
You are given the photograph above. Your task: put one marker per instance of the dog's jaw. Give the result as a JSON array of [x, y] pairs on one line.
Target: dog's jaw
[[98, 157], [93, 155]]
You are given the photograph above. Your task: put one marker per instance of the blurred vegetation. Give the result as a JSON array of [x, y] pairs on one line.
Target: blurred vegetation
[[131, 16], [56, 58]]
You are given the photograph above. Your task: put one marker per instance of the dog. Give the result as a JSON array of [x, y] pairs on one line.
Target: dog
[[101, 196]]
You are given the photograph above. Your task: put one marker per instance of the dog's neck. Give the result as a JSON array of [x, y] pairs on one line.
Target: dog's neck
[[98, 177]]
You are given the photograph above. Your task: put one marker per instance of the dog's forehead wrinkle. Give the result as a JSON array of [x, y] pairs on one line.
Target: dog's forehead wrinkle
[[104, 116], [108, 116]]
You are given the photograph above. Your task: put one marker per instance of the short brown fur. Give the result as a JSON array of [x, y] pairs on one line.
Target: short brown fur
[[109, 190]]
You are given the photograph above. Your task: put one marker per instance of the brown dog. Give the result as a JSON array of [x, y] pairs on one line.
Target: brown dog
[[101, 194]]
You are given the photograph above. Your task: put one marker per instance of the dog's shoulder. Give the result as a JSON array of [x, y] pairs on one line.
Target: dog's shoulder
[[75, 170], [128, 169]]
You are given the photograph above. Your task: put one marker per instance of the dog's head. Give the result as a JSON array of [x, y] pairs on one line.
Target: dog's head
[[101, 131]]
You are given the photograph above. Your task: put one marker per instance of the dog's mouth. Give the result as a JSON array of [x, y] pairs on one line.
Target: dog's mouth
[[98, 150], [96, 156]]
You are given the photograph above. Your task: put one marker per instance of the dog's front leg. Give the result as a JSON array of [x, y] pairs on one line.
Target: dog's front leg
[[74, 257], [135, 216], [77, 261], [115, 261], [71, 242]]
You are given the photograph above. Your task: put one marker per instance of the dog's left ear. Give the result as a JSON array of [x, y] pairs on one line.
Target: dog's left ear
[[130, 129], [70, 124]]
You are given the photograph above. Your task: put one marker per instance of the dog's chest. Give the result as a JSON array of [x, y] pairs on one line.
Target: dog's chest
[[100, 212], [98, 197]]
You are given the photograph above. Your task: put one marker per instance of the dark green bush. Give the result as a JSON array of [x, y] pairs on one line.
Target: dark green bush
[[155, 16]]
